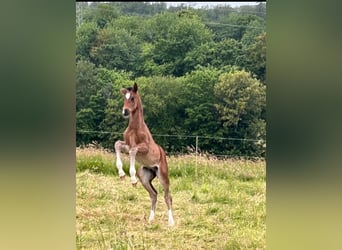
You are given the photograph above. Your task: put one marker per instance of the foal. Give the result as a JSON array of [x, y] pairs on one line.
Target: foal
[[138, 142]]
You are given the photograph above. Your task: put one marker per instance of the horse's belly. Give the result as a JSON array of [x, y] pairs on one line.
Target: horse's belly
[[150, 159], [146, 161]]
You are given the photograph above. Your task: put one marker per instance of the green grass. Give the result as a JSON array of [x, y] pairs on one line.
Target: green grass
[[217, 204]]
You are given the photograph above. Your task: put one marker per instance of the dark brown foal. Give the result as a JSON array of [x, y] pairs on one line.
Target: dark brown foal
[[138, 142]]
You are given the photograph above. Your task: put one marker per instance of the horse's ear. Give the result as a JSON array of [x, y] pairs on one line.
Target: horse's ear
[[123, 91], [135, 87]]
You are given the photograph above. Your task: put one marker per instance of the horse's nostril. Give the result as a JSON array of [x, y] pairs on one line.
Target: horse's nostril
[[125, 112]]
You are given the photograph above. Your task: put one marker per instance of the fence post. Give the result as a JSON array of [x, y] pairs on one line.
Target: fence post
[[196, 154]]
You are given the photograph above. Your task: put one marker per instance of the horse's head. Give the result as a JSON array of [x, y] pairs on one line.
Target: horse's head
[[131, 99]]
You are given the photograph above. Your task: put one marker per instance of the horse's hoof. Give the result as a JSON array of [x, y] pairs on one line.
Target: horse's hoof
[[122, 177], [134, 184]]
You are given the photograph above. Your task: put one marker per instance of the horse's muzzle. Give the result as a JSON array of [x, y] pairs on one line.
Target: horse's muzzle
[[125, 113]]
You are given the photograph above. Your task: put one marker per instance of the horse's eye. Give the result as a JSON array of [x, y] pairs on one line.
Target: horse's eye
[[132, 99]]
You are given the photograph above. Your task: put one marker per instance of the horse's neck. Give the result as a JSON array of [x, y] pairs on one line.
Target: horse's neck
[[137, 118]]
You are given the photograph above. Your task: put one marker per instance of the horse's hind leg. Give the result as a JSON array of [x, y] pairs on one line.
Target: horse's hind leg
[[165, 182], [146, 175]]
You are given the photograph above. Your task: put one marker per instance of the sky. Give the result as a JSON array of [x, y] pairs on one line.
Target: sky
[[202, 4]]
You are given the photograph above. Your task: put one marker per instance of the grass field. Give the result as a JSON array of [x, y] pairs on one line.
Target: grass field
[[217, 204]]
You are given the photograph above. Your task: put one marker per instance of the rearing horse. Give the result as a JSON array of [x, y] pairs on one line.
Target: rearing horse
[[138, 142]]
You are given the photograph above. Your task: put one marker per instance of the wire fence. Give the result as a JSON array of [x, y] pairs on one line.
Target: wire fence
[[195, 143], [175, 135]]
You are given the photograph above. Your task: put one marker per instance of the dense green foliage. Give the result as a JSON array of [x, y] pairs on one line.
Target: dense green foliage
[[200, 72]]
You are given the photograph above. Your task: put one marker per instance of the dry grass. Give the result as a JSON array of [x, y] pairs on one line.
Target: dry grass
[[217, 205]]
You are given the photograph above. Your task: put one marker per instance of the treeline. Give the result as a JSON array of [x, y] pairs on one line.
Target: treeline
[[199, 71]]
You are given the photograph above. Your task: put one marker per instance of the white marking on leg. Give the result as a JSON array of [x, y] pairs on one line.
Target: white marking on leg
[[132, 171], [118, 160], [128, 95], [171, 221], [119, 166], [151, 218]]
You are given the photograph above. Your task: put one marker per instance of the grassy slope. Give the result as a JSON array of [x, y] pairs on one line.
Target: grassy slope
[[218, 205]]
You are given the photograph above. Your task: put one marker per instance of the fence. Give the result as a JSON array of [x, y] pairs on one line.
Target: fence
[[193, 143]]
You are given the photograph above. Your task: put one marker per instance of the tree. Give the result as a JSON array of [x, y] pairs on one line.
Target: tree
[[112, 81], [163, 110], [140, 8], [101, 13], [80, 9], [173, 37], [200, 56], [227, 52], [134, 25], [98, 103], [241, 103], [176, 57], [86, 83], [116, 49], [201, 117], [86, 86], [253, 30], [86, 35], [256, 57], [233, 26], [148, 67]]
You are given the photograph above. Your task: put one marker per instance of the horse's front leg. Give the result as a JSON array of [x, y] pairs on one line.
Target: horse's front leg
[[132, 153], [119, 147], [141, 148]]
